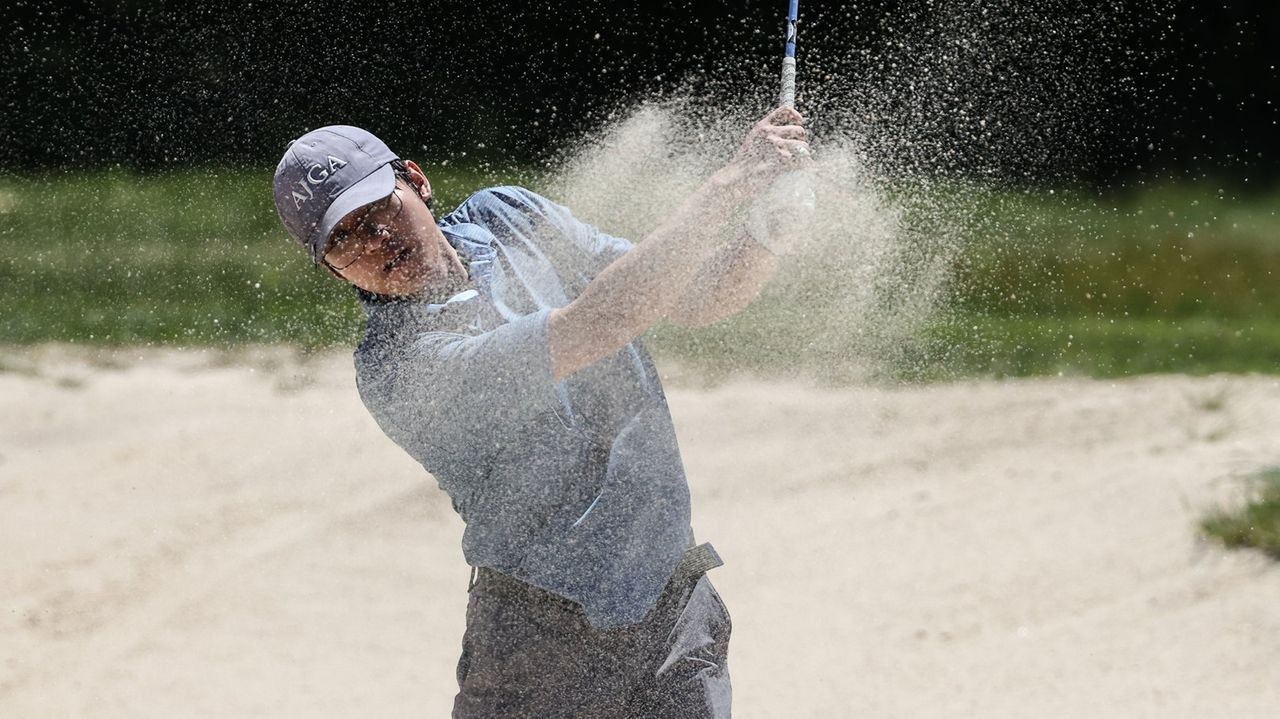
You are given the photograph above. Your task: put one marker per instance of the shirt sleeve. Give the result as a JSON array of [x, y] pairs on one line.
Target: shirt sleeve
[[592, 248], [600, 246], [456, 395]]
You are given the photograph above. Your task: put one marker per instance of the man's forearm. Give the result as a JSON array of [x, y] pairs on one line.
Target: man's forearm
[[726, 284], [644, 285], [647, 283]]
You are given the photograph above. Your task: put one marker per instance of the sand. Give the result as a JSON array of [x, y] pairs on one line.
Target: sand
[[189, 534]]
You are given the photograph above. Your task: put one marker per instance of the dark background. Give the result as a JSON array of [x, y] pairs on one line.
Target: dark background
[[1038, 92]]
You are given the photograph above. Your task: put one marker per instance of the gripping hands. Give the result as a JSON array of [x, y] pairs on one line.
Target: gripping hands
[[773, 166], [775, 144]]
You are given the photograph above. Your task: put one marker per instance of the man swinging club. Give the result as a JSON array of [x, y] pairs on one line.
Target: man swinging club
[[502, 353]]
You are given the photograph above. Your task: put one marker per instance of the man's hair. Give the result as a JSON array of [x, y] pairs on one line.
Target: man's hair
[[402, 173]]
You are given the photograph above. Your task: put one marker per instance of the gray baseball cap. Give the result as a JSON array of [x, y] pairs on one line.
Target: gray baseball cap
[[326, 174]]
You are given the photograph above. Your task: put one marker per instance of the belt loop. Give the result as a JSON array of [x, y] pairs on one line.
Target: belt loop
[[696, 562], [471, 583]]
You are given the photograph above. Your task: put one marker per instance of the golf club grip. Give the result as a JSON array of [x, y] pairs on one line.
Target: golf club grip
[[788, 95]]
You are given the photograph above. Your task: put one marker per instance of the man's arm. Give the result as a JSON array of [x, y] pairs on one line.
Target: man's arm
[[726, 285], [648, 283], [641, 287]]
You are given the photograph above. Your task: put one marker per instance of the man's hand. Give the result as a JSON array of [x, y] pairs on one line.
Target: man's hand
[[775, 144], [654, 279]]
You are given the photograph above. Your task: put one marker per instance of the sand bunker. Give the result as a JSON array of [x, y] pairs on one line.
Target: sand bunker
[[191, 536]]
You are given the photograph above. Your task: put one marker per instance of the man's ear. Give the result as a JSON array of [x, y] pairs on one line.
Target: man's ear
[[420, 180]]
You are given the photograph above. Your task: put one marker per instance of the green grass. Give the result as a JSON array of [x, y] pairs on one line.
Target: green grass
[[1167, 252], [1099, 346], [194, 258], [1257, 523], [1168, 279], [1171, 279]]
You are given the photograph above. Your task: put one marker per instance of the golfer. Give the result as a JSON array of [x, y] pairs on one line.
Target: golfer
[[502, 353]]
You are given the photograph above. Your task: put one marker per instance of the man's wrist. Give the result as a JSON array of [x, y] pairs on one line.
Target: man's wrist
[[763, 240], [759, 226], [736, 183], [744, 245]]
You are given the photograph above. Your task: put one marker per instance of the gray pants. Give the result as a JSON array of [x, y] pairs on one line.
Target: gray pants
[[529, 653]]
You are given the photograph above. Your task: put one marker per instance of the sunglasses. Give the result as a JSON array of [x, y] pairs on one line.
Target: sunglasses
[[372, 226]]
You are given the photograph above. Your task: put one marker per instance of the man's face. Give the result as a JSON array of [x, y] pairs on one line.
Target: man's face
[[394, 247]]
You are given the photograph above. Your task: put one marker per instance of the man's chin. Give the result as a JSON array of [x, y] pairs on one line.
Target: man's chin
[[432, 291], [415, 284]]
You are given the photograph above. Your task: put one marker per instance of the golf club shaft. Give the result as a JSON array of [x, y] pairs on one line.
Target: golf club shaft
[[788, 95]]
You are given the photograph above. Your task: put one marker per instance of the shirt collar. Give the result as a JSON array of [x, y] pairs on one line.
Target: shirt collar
[[475, 244]]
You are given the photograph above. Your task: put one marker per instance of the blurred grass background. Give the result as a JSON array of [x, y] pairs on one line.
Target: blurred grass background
[[190, 258], [1164, 279], [1179, 278], [1257, 523]]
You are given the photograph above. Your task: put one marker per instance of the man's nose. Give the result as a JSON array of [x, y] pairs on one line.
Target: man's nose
[[381, 239]]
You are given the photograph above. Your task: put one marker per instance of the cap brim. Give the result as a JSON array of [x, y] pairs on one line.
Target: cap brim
[[375, 186]]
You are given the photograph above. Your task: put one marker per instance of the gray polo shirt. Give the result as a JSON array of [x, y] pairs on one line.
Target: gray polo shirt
[[574, 486]]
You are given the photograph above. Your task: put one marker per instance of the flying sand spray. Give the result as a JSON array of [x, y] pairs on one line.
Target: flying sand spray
[[781, 217], [870, 290]]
